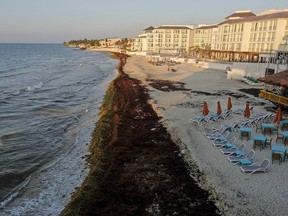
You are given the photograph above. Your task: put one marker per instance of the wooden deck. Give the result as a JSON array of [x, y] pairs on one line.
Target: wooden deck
[[274, 98]]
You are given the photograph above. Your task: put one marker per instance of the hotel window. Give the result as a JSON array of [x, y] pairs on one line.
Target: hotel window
[[273, 36], [257, 47], [262, 47], [251, 37], [274, 24], [252, 27], [270, 25], [265, 26], [259, 37], [271, 47], [260, 26], [254, 37], [253, 47], [238, 46], [263, 36]]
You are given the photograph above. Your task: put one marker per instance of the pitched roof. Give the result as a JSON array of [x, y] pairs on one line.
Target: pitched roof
[[173, 27], [278, 79], [149, 28], [208, 27], [282, 14], [241, 14]]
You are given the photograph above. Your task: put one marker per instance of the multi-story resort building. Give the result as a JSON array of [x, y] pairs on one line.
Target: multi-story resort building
[[204, 36], [241, 36], [244, 33], [165, 40]]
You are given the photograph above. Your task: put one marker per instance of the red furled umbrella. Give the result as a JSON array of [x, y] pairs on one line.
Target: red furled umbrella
[[247, 111], [205, 109], [229, 104], [219, 110], [278, 116]]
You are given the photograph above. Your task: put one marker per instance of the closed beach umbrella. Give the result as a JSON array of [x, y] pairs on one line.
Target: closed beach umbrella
[[247, 111], [278, 116], [229, 104], [205, 109], [219, 110]]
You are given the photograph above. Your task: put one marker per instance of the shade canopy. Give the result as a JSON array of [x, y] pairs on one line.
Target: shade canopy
[[205, 109], [278, 79]]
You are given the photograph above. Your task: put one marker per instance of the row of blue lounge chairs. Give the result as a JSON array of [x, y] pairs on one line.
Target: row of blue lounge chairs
[[253, 121], [236, 155], [211, 118]]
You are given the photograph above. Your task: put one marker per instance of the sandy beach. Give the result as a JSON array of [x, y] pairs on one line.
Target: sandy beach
[[234, 192]]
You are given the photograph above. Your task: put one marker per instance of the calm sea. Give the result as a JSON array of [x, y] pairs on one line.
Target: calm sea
[[49, 100]]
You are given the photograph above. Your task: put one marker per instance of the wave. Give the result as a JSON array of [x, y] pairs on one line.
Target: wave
[[14, 194]]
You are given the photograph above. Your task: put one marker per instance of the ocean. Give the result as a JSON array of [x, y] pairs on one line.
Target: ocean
[[49, 101]]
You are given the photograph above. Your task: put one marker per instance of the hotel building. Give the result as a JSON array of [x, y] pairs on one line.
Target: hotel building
[[241, 36], [165, 40]]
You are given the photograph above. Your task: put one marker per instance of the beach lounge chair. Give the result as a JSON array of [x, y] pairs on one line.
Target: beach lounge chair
[[214, 131], [228, 144], [198, 119], [236, 159], [221, 136], [256, 168], [235, 151], [240, 111]]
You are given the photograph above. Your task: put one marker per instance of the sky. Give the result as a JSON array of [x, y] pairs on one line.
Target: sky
[[56, 21]]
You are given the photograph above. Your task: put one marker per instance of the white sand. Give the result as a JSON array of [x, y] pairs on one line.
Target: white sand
[[235, 193]]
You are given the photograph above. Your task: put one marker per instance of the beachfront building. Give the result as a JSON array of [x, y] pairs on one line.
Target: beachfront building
[[166, 39], [282, 52], [109, 42], [204, 39], [139, 44], [243, 36], [204, 36]]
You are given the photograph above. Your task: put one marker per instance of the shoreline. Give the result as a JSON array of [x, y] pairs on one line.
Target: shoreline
[[129, 137], [234, 192]]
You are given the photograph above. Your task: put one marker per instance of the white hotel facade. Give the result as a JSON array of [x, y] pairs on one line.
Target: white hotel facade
[[243, 31]]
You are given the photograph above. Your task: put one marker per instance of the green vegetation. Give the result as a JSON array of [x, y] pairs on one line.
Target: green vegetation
[[123, 43], [92, 42], [251, 79]]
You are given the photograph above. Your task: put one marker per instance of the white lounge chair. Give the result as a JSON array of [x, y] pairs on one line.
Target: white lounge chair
[[256, 168], [221, 138], [229, 144], [198, 119], [235, 151], [236, 159]]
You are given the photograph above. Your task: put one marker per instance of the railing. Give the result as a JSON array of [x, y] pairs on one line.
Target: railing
[[274, 97]]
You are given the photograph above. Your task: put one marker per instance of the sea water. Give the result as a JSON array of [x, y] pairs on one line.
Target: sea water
[[49, 101]]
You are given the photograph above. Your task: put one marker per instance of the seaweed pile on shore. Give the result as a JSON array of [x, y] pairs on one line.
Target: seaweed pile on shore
[[136, 169]]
